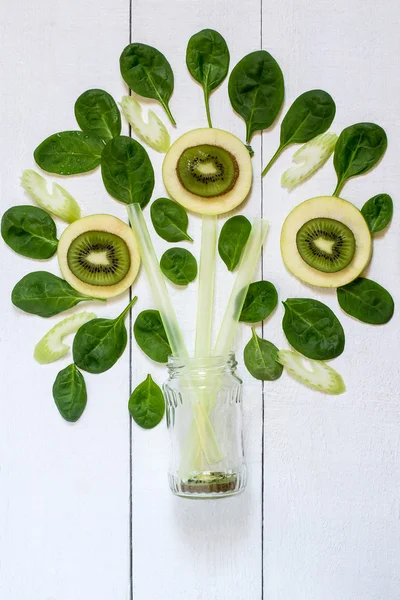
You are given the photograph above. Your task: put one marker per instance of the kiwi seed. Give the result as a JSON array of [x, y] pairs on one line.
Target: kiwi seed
[[207, 171], [326, 244], [99, 258]]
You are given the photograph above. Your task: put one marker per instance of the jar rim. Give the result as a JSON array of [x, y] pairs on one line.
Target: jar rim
[[180, 362]]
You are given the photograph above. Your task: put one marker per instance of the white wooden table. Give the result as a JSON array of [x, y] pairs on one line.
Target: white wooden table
[[85, 511]]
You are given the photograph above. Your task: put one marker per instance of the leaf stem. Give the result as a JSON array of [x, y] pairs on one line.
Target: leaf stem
[[207, 103], [127, 309], [248, 134], [338, 188], [167, 110], [271, 162]]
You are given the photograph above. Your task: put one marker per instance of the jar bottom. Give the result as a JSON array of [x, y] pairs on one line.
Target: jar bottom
[[209, 484]]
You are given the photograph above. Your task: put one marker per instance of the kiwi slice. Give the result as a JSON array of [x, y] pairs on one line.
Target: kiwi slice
[[99, 258], [207, 171], [326, 244], [325, 241], [210, 483]]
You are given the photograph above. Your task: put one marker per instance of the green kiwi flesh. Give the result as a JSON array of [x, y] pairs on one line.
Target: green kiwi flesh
[[99, 258], [207, 171], [326, 244]]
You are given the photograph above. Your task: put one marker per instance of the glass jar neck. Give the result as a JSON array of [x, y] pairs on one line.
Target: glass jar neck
[[213, 365]]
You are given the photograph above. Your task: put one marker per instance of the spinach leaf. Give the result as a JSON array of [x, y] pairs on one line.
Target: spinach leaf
[[312, 328], [256, 90], [170, 220], [97, 114], [69, 393], [146, 404], [69, 153], [366, 301], [357, 150], [127, 172], [99, 343], [378, 212], [30, 231], [148, 73], [260, 358], [260, 301], [207, 58], [44, 294], [232, 240], [151, 336], [179, 265], [310, 115]]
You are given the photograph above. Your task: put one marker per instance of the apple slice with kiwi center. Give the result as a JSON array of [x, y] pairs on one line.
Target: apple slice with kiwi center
[[99, 256], [208, 171], [325, 241]]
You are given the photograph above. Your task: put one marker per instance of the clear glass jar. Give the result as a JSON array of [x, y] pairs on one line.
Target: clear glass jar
[[204, 417]]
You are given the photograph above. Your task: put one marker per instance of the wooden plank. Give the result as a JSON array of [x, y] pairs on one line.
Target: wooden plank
[[208, 550], [331, 527], [64, 489]]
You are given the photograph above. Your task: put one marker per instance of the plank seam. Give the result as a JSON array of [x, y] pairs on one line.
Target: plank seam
[[130, 390], [262, 335]]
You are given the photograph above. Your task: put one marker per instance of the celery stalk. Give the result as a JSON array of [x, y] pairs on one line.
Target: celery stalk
[[157, 282], [206, 286], [199, 432], [243, 279], [192, 445], [161, 296]]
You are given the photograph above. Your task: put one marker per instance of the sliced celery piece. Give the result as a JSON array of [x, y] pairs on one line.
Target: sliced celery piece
[[51, 346], [153, 132], [318, 375], [309, 158], [58, 201]]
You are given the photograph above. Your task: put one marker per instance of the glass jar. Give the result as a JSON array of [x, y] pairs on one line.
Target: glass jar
[[204, 418]]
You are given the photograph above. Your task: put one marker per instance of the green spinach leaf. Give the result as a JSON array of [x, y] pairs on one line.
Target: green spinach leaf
[[256, 90], [127, 172], [69, 393], [207, 58], [260, 301], [366, 301], [99, 343], [97, 114], [151, 336], [378, 212], [148, 73], [69, 153], [170, 220], [30, 231], [179, 266], [44, 294], [310, 115], [232, 240], [312, 328], [146, 404], [357, 151], [260, 358]]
